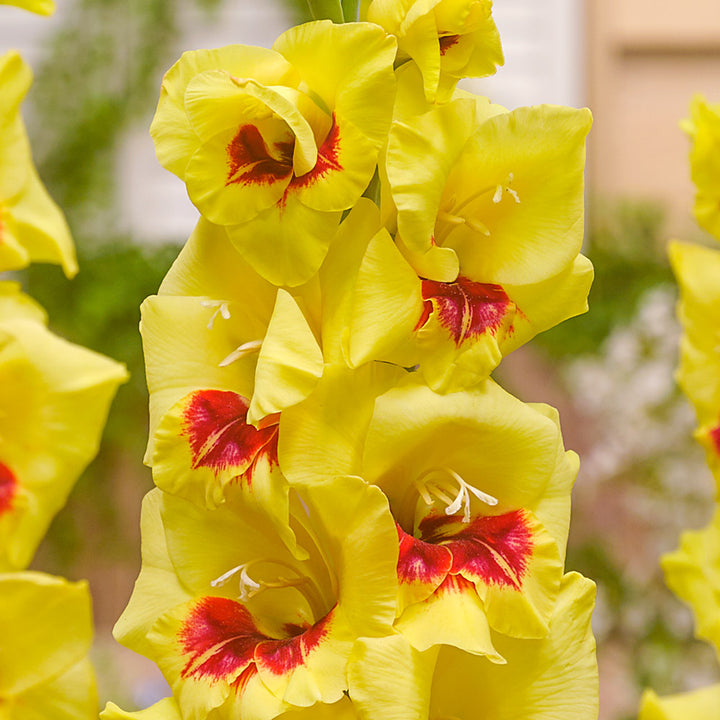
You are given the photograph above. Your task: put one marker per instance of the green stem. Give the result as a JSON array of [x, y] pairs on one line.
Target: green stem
[[327, 9], [351, 10]]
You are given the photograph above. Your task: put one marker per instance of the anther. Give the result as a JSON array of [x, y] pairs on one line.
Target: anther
[[452, 490], [221, 308]]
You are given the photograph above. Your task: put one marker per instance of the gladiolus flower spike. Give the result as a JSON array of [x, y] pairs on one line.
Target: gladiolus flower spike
[[346, 504]]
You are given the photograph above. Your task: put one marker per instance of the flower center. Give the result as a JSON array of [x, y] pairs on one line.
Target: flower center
[[450, 219], [465, 308], [291, 577], [251, 161], [447, 486]]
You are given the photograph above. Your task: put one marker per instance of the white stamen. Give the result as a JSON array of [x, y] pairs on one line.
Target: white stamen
[[514, 194], [248, 586], [221, 308], [454, 483], [497, 197], [241, 351]]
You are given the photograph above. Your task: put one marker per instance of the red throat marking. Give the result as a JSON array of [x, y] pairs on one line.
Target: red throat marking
[[493, 549], [8, 488], [250, 161], [447, 41], [328, 160], [215, 424], [714, 435], [222, 642], [465, 308], [420, 561]]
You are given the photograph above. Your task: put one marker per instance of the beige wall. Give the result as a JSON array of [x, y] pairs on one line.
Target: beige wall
[[646, 59]]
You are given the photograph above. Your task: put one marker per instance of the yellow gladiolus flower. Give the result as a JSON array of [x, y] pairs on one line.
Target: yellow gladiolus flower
[[45, 634], [458, 330], [32, 227], [275, 144], [239, 353], [502, 190], [699, 704], [54, 397], [228, 355], [550, 679], [241, 625], [703, 126], [447, 39], [479, 485], [693, 573], [697, 270]]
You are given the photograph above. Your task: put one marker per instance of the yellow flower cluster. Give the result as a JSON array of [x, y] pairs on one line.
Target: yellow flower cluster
[[693, 571], [351, 519], [54, 398]]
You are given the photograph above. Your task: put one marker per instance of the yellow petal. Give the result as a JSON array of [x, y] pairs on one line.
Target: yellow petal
[[41, 7], [550, 679], [387, 303], [69, 696], [338, 275], [390, 679], [452, 615], [46, 627], [693, 573], [166, 709], [287, 246], [509, 221], [323, 436], [32, 227], [14, 304], [349, 68], [699, 704], [55, 398], [423, 145], [290, 361], [157, 586]]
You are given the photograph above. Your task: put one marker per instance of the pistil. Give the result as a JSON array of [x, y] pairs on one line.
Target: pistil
[[241, 351]]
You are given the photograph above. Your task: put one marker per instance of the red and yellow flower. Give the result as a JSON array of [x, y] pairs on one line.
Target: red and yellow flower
[[240, 623], [275, 144]]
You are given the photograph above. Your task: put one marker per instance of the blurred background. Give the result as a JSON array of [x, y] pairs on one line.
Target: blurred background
[[635, 63]]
